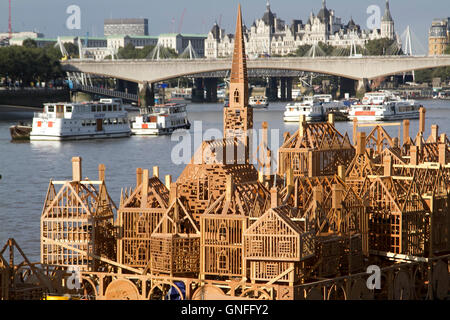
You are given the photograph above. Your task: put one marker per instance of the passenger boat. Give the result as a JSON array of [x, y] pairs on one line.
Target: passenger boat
[[180, 96], [163, 119], [106, 118], [20, 131], [311, 108], [384, 106], [258, 102], [324, 98]]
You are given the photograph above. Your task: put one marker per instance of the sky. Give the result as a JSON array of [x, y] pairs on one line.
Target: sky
[[49, 16]]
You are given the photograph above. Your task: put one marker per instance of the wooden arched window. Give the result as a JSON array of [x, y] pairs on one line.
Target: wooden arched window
[[236, 96], [223, 232], [222, 261], [141, 226]]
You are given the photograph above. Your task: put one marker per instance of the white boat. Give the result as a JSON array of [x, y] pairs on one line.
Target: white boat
[[383, 106], [163, 119], [311, 108], [324, 98], [106, 118], [258, 102], [181, 96]]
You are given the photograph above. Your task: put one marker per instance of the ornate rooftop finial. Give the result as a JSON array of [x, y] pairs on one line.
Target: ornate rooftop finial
[[387, 13], [324, 4]]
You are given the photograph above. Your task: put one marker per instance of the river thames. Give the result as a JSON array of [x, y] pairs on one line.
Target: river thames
[[27, 168]]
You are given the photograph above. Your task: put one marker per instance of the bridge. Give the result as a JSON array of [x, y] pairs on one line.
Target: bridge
[[356, 68]]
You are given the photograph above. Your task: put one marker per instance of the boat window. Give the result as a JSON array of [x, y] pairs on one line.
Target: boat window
[[83, 123], [105, 108], [69, 109], [115, 108], [99, 108], [51, 109], [93, 109], [110, 108]]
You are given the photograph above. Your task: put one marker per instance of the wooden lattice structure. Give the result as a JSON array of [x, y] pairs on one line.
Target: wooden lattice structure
[[276, 247], [175, 242], [397, 216], [316, 149], [139, 213], [77, 222], [204, 179]]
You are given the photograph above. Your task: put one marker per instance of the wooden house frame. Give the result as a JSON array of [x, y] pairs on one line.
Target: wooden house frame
[[77, 217], [139, 213], [397, 216], [275, 247], [316, 149], [175, 242]]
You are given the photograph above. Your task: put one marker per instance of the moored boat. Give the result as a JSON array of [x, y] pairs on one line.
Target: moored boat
[[258, 102], [384, 106], [311, 108], [20, 131], [102, 119], [163, 119]]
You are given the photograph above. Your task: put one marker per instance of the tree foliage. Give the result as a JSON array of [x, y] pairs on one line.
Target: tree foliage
[[30, 64]]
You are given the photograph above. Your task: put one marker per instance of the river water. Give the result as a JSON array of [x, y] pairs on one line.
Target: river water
[[27, 168]]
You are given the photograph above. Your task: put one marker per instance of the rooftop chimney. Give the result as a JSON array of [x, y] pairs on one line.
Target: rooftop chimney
[[138, 177], [101, 172], [76, 169], [302, 125], [331, 118], [144, 191], [405, 131], [422, 120], [443, 138], [168, 181], [273, 197], [435, 132], [156, 171], [355, 131], [361, 143]]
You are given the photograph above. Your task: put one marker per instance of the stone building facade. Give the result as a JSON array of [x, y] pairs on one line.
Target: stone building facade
[[272, 36]]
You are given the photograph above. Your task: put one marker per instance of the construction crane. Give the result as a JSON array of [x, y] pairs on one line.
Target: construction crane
[[10, 21], [181, 21]]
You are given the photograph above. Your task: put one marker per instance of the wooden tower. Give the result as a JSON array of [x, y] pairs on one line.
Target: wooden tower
[[238, 117]]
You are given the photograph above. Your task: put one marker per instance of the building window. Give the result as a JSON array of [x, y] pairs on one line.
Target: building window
[[223, 232], [222, 262], [236, 96]]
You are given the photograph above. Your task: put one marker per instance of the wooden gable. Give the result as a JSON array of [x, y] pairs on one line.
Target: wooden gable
[[276, 237]]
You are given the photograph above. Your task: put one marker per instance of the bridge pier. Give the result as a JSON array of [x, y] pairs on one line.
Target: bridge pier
[[273, 89], [289, 82], [146, 96], [283, 89], [211, 89], [198, 94]]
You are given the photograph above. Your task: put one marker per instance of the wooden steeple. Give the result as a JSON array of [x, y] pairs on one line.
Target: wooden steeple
[[238, 117]]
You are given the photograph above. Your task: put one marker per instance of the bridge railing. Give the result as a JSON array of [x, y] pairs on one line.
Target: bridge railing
[[106, 92]]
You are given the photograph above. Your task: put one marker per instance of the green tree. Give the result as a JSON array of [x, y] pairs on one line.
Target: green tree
[[381, 47], [29, 43], [302, 50]]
